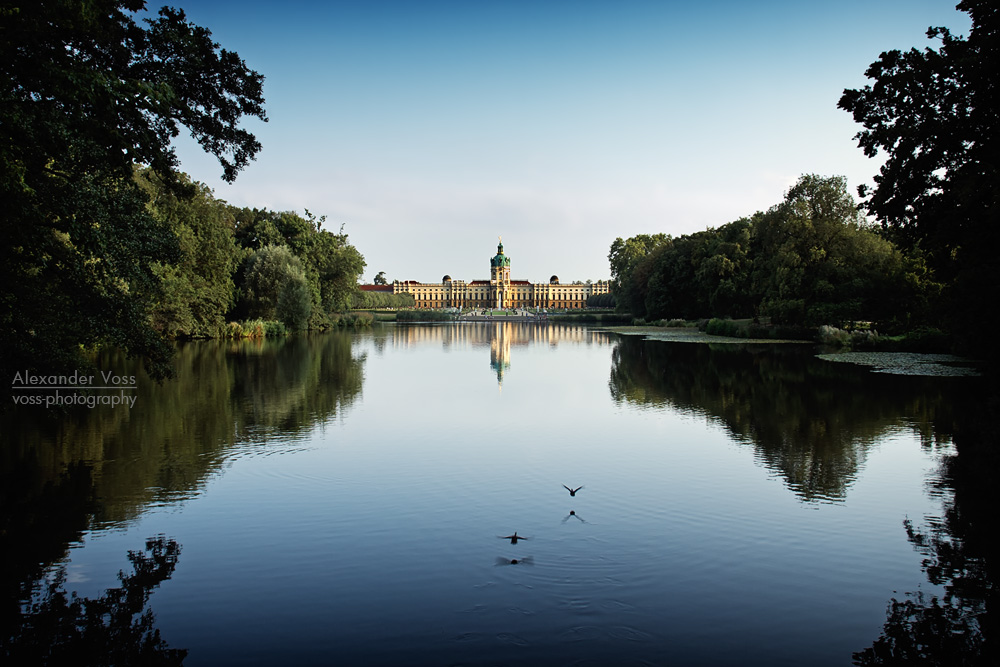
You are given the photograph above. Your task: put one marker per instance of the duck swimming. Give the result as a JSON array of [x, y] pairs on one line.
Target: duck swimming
[[513, 538], [572, 492]]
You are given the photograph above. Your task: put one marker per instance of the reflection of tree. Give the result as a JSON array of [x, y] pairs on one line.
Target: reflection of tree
[[94, 467], [291, 384], [809, 420], [114, 629], [224, 394], [918, 632], [960, 554], [38, 518]]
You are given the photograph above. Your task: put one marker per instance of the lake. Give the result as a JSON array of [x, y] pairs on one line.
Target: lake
[[349, 498]]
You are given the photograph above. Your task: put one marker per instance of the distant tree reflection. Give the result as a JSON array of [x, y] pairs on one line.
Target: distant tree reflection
[[809, 420], [114, 629], [918, 632]]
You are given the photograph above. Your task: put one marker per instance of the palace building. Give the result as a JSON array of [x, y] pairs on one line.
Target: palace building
[[497, 292]]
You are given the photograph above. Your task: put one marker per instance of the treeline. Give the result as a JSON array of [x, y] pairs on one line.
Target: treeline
[[607, 300], [380, 300], [811, 259], [238, 264]]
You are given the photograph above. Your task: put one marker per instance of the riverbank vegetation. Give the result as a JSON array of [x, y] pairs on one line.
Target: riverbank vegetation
[[810, 267], [380, 301], [590, 317], [106, 242], [246, 265], [810, 260], [425, 316]]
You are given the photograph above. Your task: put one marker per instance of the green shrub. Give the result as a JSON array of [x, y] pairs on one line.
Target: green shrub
[[257, 328], [274, 329], [717, 327], [833, 336], [360, 319]]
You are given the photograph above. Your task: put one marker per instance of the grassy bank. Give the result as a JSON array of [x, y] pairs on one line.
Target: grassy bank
[[862, 338], [424, 316], [922, 339], [608, 317], [274, 329]]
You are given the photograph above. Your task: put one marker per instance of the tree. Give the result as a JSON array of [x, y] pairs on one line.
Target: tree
[[336, 266], [625, 257], [275, 287], [375, 300], [817, 263], [197, 290], [811, 259], [933, 113], [87, 95], [256, 228], [379, 278], [671, 291], [331, 264]]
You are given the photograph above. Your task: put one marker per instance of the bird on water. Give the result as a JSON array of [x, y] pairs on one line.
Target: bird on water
[[572, 492], [513, 538]]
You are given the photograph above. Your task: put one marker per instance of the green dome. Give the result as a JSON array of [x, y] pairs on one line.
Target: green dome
[[500, 259]]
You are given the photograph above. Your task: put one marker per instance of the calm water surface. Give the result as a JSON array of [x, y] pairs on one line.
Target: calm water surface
[[340, 499]]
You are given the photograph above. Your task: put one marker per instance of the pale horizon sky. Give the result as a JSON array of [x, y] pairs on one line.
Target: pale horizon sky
[[428, 128]]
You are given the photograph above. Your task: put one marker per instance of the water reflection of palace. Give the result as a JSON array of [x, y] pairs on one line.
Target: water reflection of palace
[[500, 337], [500, 355]]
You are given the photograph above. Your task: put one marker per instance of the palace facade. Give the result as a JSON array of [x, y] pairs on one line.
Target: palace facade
[[497, 292]]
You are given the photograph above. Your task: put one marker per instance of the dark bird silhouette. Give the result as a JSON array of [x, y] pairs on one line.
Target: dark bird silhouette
[[575, 516], [513, 538], [572, 492]]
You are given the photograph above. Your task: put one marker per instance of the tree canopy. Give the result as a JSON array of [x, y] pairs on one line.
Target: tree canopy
[[331, 264], [626, 257], [275, 286], [220, 273], [934, 115], [89, 93], [197, 290], [809, 260]]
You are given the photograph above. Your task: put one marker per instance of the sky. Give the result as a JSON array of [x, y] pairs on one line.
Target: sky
[[427, 129]]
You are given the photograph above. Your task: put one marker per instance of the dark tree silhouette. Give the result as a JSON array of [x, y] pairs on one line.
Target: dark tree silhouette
[[90, 93], [933, 114]]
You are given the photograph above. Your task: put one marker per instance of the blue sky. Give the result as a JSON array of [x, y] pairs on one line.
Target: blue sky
[[429, 128]]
